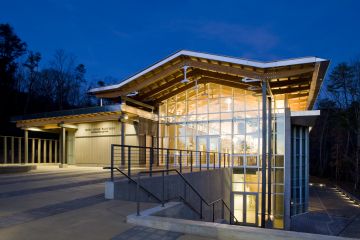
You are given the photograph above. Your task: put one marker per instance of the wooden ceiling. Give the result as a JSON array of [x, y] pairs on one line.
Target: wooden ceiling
[[300, 82]]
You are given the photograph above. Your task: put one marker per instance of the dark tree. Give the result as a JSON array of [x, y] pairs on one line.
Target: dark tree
[[11, 48], [31, 64]]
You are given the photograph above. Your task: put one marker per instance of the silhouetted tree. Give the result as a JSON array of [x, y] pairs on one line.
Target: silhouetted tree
[[337, 130], [11, 48], [31, 64]]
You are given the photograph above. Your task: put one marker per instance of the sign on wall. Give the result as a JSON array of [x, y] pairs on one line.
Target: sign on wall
[[98, 129]]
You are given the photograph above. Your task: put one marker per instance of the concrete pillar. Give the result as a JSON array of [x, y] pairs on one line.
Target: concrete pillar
[[263, 158], [26, 146], [287, 169], [62, 147], [44, 151], [39, 151], [33, 150]]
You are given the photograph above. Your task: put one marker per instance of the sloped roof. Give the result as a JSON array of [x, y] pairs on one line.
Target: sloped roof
[[299, 78]]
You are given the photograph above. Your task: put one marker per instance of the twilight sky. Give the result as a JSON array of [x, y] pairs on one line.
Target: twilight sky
[[120, 38]]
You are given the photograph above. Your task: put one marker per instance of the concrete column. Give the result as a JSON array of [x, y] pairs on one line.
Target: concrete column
[[44, 151], [39, 150], [56, 152], [287, 169], [50, 151], [63, 147], [26, 146], [33, 150], [263, 162]]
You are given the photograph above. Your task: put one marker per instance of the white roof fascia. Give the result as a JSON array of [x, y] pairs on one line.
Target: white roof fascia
[[233, 60], [307, 113]]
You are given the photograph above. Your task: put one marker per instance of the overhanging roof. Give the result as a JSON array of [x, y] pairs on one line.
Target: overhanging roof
[[51, 120], [304, 118], [300, 78]]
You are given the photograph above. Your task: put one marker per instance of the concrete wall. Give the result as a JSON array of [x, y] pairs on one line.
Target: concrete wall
[[212, 185]]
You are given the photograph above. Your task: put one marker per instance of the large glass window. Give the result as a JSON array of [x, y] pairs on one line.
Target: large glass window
[[232, 118]]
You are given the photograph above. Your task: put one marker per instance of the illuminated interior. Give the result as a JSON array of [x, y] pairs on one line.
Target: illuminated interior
[[214, 117]]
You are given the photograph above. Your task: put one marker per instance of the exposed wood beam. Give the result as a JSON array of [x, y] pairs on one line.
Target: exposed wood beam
[[289, 90], [140, 83], [289, 83], [251, 74], [291, 96], [202, 81], [164, 86]]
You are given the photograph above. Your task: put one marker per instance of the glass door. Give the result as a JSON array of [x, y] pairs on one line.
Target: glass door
[[246, 208], [206, 144]]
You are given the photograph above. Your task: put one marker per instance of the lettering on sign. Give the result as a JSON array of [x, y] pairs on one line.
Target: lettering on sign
[[99, 130]]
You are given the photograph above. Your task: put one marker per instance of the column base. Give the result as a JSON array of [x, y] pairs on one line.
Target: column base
[[63, 165]]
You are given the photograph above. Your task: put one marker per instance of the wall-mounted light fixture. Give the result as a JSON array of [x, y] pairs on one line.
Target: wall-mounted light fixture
[[124, 117], [185, 80]]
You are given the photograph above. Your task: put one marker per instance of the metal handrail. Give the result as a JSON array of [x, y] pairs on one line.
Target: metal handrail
[[132, 180], [192, 187], [220, 158]]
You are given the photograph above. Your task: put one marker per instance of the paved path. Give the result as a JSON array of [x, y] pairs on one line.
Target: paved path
[[329, 213], [53, 203]]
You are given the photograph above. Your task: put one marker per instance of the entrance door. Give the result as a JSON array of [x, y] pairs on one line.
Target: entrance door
[[246, 208], [207, 144]]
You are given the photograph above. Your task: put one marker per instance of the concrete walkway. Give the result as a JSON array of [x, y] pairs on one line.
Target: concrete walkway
[[67, 203], [330, 213]]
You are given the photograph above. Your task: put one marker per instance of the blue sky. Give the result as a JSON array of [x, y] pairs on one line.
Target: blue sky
[[119, 38]]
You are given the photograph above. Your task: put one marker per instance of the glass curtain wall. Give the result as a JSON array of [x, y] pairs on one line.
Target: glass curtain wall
[[228, 115], [214, 114]]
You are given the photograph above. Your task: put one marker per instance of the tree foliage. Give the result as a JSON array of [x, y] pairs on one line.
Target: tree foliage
[[335, 139], [26, 87]]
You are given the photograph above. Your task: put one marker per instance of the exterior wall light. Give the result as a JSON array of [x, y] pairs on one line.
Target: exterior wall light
[[124, 117]]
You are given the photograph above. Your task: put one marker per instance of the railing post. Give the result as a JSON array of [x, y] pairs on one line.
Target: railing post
[[213, 212], [112, 163], [137, 195], [200, 160], [191, 161], [151, 159], [163, 189], [180, 161], [214, 159], [207, 160], [167, 160], [219, 160], [129, 161]]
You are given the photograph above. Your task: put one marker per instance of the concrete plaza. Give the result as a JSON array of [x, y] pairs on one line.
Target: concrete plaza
[[68, 203]]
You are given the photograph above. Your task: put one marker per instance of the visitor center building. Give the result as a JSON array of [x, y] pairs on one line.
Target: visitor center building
[[258, 114]]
